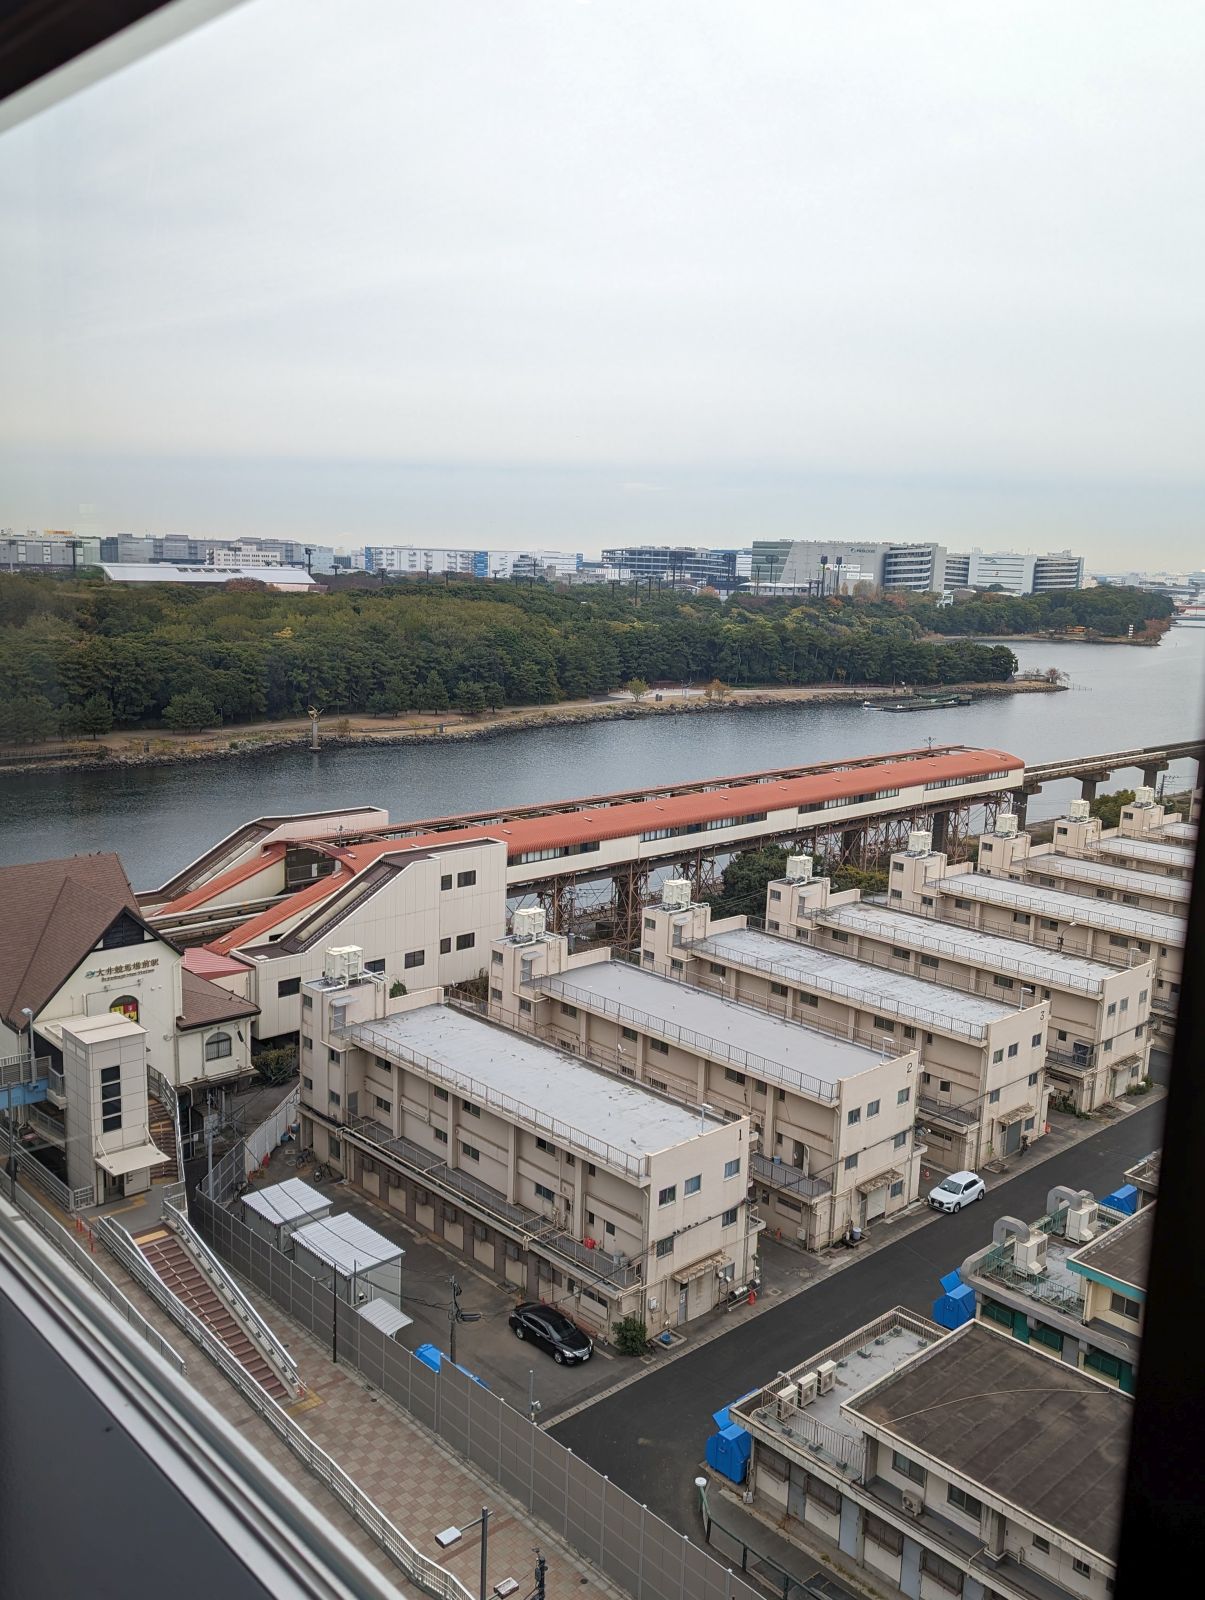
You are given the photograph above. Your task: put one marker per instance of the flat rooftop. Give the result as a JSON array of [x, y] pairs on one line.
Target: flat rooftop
[[868, 1356], [1151, 926], [992, 951], [1029, 1428], [1121, 1254], [477, 1056], [1108, 876], [1160, 855], [786, 1050], [1179, 832], [889, 993]]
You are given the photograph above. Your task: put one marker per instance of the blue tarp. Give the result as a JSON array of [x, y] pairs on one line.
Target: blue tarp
[[1124, 1199], [431, 1356]]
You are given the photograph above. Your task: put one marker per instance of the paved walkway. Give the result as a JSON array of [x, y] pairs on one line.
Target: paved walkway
[[420, 1485]]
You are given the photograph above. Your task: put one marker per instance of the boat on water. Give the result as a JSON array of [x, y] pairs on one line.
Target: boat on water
[[926, 702]]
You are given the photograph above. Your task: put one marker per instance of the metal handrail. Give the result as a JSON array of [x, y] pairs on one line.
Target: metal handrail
[[1004, 892], [382, 1043], [259, 1330], [433, 1579], [918, 941], [100, 1281], [1063, 866], [69, 1199], [47, 1125], [23, 1069], [700, 1044], [165, 1093], [881, 1005]]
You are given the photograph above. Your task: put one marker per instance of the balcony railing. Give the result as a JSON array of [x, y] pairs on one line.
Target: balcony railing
[[23, 1069], [461, 1188]]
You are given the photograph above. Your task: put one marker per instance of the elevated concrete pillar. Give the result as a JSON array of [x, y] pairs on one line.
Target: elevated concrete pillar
[[939, 822], [1087, 788], [1150, 773], [1021, 807]]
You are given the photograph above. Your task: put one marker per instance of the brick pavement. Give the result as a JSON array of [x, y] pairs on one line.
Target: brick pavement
[[420, 1484]]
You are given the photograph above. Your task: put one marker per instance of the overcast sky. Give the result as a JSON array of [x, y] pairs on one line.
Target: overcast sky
[[507, 271]]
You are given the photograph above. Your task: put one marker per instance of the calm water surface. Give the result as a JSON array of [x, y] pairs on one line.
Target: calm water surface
[[158, 818]]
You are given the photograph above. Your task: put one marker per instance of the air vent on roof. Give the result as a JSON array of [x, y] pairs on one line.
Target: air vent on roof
[[920, 842]]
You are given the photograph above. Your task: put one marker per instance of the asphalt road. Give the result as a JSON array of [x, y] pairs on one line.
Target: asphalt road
[[649, 1437]]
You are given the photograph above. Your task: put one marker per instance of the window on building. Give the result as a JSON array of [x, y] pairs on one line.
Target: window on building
[[473, 1111], [943, 1085], [110, 1099], [665, 1247], [649, 924], [906, 1468], [445, 946], [1123, 1306], [287, 987], [883, 1025], [1111, 1009], [1002, 983], [470, 1151], [525, 1007], [609, 1229], [964, 1502], [942, 1572], [629, 1034], [675, 965], [930, 961], [445, 881], [414, 958], [812, 1000], [218, 1046], [667, 1196], [307, 1002], [728, 1218], [333, 1057], [693, 1185], [440, 1135], [465, 941], [466, 880], [897, 1188], [543, 1144], [307, 1083], [902, 1096], [382, 1104], [1021, 917], [879, 1532], [716, 970], [733, 1076], [900, 1140], [838, 936], [646, 957], [853, 1117], [659, 1046], [543, 1192], [851, 1162], [775, 894], [872, 1109], [567, 1010], [1012, 1050], [495, 994], [335, 1100], [1040, 1544], [732, 1169], [1049, 923], [823, 1494], [997, 1055], [779, 989], [1081, 1567], [1028, 1125]]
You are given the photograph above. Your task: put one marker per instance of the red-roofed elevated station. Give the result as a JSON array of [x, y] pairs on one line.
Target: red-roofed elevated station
[[593, 856]]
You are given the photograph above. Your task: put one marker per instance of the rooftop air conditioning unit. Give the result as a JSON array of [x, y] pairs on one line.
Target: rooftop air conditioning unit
[[785, 1402], [528, 924], [920, 842], [1029, 1255], [809, 1387], [1144, 795], [343, 963], [1081, 1223], [827, 1373], [799, 869], [1006, 825], [913, 1502], [1079, 811], [675, 894]]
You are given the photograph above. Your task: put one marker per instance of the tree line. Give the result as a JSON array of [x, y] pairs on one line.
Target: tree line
[[84, 655]]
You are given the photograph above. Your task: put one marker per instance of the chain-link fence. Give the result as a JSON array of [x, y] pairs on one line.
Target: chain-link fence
[[644, 1556]]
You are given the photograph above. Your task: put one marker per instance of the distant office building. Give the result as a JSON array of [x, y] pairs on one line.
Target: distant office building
[[58, 551], [1014, 572], [184, 550], [677, 564], [826, 566], [417, 561]]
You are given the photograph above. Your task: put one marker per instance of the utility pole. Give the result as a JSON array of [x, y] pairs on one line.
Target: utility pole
[[455, 1316], [533, 1405]]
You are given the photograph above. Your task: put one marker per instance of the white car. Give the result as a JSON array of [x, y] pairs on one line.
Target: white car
[[956, 1191]]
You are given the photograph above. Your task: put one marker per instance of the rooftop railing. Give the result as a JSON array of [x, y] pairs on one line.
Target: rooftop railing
[[382, 1042]]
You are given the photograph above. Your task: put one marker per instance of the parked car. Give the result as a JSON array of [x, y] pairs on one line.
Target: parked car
[[956, 1191], [552, 1331]]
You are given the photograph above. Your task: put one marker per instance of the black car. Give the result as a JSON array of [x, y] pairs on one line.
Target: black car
[[552, 1331]]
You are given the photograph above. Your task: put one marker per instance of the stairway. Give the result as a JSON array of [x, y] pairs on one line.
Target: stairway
[[163, 1136], [173, 1264]]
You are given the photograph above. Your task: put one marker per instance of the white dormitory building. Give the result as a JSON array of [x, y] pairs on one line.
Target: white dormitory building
[[421, 916], [605, 1198], [963, 1464], [833, 1117], [979, 1085], [1074, 1283], [96, 1009], [1098, 1033], [1100, 930], [410, 560]]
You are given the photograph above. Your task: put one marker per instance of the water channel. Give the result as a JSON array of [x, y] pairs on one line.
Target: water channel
[[158, 818]]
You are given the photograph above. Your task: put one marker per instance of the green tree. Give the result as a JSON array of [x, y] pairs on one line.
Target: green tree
[[471, 699], [433, 696], [637, 688], [494, 695], [95, 716], [1108, 806], [27, 719], [190, 712], [743, 887], [631, 1336]]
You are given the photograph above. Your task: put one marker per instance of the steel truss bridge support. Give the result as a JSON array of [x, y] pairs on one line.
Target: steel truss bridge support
[[631, 892]]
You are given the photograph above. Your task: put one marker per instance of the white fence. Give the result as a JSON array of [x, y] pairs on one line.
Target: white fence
[[261, 1141]]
